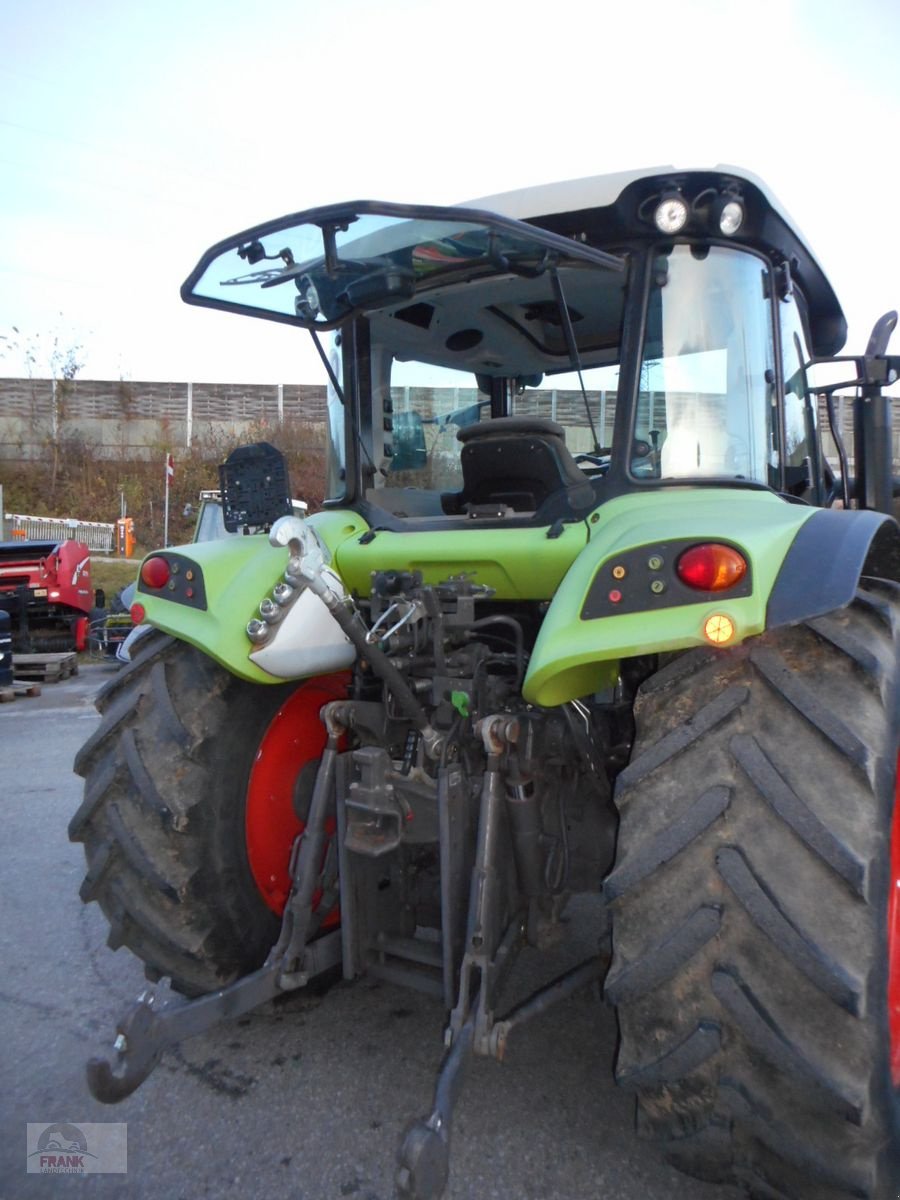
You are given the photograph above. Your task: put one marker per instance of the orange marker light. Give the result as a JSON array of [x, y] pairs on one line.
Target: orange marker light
[[711, 567], [718, 629]]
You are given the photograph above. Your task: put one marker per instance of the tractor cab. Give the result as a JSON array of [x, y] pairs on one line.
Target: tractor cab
[[637, 331]]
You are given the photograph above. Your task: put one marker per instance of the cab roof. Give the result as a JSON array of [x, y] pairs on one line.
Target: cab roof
[[610, 210]]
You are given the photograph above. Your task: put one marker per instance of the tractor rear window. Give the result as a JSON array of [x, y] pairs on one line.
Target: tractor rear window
[[705, 403], [435, 365]]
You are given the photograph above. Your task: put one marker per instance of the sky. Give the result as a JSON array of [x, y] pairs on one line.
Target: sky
[[135, 135]]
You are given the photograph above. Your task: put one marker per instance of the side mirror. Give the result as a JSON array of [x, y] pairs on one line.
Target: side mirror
[[881, 335], [874, 369]]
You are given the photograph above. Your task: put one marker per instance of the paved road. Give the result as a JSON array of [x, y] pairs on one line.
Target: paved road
[[303, 1100]]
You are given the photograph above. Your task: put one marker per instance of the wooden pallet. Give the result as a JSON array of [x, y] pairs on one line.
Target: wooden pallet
[[19, 690], [50, 668]]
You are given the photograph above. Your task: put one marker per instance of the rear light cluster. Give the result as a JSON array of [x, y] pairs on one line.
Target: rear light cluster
[[711, 567], [173, 577], [155, 572]]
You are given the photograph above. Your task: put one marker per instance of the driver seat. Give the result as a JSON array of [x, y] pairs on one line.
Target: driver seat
[[519, 462]]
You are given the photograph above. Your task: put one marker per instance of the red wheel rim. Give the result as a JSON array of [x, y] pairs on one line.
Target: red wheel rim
[[294, 737], [894, 937]]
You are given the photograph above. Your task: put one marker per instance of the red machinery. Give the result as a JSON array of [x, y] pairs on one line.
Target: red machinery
[[45, 586]]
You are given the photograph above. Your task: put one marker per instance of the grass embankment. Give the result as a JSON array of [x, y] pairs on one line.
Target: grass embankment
[[111, 574]]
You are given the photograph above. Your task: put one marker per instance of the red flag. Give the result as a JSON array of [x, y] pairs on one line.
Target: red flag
[[170, 468]]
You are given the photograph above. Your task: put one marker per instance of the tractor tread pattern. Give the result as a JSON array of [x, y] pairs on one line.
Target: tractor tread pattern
[[664, 958], [854, 647], [762, 1031], [778, 674], [774, 788], [748, 905], [160, 821], [681, 738], [94, 791], [741, 1103], [764, 909], [668, 842], [677, 1060]]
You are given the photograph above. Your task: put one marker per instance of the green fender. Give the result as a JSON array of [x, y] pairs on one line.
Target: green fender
[[524, 563], [574, 655], [237, 573], [577, 655]]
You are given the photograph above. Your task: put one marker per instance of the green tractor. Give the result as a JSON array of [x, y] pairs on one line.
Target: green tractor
[[587, 610]]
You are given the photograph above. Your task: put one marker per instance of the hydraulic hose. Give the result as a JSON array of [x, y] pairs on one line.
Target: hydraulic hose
[[377, 659]]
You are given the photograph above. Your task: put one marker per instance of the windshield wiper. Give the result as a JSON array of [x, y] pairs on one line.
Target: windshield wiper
[[572, 346]]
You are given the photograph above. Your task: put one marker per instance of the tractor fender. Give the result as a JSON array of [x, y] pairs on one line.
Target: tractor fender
[[229, 578], [612, 604], [823, 566]]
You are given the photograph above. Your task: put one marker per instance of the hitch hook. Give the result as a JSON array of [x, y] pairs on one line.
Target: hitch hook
[[137, 1048]]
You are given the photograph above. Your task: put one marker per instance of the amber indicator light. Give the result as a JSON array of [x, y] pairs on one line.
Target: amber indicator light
[[711, 567], [718, 629]]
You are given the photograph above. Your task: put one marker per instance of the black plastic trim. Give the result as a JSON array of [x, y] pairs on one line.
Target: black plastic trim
[[638, 577], [186, 577], [823, 566], [554, 510]]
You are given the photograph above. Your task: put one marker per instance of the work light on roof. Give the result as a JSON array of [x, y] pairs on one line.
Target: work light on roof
[[671, 214], [731, 217]]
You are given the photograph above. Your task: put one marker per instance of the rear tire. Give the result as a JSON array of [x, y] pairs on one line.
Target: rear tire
[[750, 907], [163, 820]]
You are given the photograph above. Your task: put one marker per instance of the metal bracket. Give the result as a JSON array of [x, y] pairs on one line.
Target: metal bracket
[[158, 1019]]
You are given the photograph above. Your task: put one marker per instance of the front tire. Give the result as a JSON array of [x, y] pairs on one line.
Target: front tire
[[750, 908], [186, 855]]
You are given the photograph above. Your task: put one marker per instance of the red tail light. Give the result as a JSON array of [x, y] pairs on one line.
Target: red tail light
[[155, 573], [711, 567]]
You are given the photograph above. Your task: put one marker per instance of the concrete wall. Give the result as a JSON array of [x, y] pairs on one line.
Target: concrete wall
[[115, 416], [139, 419]]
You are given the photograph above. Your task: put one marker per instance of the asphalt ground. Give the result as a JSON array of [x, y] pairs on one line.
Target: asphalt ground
[[304, 1099]]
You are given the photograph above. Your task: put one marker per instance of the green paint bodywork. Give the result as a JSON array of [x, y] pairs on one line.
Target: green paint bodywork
[[519, 564], [237, 573], [572, 657]]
